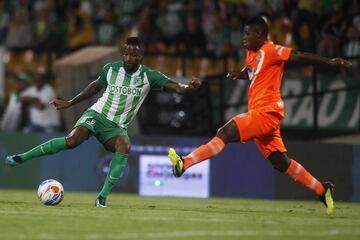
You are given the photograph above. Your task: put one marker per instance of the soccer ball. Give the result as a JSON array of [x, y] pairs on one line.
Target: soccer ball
[[50, 192]]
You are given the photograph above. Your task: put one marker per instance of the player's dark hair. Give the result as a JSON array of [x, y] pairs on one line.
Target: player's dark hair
[[135, 41], [259, 23]]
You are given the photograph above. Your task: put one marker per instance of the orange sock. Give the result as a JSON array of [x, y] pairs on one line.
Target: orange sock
[[299, 174], [204, 152]]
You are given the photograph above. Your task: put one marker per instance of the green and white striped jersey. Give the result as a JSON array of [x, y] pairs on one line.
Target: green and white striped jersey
[[125, 92]]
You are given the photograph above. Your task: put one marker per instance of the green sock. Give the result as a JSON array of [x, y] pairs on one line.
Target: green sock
[[117, 167], [50, 147]]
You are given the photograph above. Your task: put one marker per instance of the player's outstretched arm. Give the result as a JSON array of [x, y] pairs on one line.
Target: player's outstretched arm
[[181, 88], [238, 75], [88, 92], [304, 57]]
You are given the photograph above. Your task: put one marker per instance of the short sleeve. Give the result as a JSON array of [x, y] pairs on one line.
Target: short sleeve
[[280, 53], [157, 79], [101, 80]]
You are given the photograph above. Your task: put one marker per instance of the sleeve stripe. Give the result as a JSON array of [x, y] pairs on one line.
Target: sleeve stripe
[[259, 66]]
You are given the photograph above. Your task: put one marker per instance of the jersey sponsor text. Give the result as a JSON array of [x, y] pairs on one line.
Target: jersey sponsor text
[[124, 90]]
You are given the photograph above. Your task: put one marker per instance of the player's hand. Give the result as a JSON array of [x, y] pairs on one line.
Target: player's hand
[[60, 104], [234, 75], [194, 83], [340, 62]]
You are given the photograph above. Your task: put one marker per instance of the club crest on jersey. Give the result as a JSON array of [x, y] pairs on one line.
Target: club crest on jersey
[[137, 80], [90, 122], [250, 72]]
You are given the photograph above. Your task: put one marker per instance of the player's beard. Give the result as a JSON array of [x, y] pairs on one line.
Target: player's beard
[[130, 67]]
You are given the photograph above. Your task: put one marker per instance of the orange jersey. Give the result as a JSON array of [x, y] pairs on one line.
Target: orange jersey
[[265, 69]]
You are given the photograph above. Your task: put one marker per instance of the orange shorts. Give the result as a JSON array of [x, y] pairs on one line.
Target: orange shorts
[[263, 127]]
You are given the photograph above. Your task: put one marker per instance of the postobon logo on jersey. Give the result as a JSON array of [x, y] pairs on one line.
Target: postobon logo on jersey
[[125, 90]]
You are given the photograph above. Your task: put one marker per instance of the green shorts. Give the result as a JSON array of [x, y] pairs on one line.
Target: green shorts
[[99, 126]]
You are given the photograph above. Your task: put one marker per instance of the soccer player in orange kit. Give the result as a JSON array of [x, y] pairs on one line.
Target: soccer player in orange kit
[[264, 68]]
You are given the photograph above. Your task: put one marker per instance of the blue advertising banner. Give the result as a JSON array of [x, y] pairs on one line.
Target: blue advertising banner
[[238, 171], [241, 171], [76, 169], [356, 174], [156, 178], [326, 162], [24, 176]]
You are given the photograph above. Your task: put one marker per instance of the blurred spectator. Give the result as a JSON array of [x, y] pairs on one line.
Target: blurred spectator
[[328, 6], [256, 7], [21, 34], [42, 116], [169, 26], [42, 26], [305, 25], [126, 12], [333, 33], [107, 31], [4, 21], [217, 39], [242, 10], [145, 27], [208, 13], [235, 37], [280, 31], [11, 119], [57, 31], [356, 22], [290, 8], [192, 41], [274, 7], [352, 47], [80, 30], [86, 7]]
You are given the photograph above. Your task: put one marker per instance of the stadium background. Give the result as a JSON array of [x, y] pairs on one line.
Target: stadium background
[[70, 41]]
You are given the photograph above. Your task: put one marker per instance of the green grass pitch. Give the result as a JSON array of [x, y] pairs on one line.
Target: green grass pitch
[[22, 216]]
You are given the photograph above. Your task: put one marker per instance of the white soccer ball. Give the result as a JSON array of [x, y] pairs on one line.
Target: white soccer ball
[[50, 192]]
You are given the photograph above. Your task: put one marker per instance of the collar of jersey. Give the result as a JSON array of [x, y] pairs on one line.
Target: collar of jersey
[[137, 72]]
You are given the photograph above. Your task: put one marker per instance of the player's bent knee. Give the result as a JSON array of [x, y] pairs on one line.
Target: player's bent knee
[[73, 141], [70, 142], [77, 136], [278, 167], [122, 145], [123, 148], [279, 161], [227, 134], [221, 133]]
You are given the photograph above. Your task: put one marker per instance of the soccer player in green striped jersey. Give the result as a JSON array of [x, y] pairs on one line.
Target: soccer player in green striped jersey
[[126, 85]]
